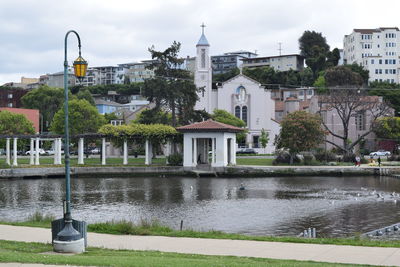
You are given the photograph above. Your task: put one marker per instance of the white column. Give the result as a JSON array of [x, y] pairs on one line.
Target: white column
[[37, 152], [15, 156], [212, 151], [80, 151], [32, 154], [187, 151], [233, 151], [194, 152], [167, 151], [8, 154], [148, 154], [103, 151], [125, 160], [55, 156], [59, 143]]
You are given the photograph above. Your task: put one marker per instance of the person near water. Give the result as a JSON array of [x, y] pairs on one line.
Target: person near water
[[358, 161]]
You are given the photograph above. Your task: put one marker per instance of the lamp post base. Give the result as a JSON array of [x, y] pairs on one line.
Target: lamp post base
[[74, 246]]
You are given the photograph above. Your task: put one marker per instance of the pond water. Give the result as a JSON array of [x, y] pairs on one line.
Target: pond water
[[335, 206]]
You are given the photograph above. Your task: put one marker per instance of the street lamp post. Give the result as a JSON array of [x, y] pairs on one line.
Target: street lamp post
[[69, 239]]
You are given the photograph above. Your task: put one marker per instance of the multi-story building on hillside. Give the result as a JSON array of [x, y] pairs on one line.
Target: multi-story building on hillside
[[228, 61], [377, 50], [281, 63]]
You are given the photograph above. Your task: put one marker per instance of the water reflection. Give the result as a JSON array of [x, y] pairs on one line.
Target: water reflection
[[336, 206]]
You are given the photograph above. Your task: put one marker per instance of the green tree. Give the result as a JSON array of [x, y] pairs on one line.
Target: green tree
[[83, 118], [347, 104], [333, 58], [122, 89], [110, 116], [172, 87], [153, 116], [342, 76], [306, 77], [300, 131], [264, 138], [13, 124], [222, 77], [309, 40], [85, 94], [364, 73], [388, 128], [389, 91], [314, 48], [46, 99], [227, 118], [265, 75]]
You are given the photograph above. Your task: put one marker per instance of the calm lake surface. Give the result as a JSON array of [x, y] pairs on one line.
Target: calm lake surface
[[336, 206]]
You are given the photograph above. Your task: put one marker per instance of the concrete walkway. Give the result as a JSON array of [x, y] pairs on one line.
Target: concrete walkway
[[241, 248]]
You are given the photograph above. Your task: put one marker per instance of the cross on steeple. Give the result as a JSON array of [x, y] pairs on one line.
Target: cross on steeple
[[202, 27]]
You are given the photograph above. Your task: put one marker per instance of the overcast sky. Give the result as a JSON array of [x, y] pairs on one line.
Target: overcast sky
[[120, 31]]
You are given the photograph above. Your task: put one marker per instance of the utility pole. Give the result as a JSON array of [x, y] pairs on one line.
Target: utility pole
[[280, 48]]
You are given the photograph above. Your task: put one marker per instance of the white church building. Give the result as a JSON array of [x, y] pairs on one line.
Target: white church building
[[242, 96]]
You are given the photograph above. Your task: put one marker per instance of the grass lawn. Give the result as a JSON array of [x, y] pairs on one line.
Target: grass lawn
[[23, 162], [11, 251]]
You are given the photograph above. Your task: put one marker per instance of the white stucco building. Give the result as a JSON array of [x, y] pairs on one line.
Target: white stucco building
[[242, 96], [377, 50]]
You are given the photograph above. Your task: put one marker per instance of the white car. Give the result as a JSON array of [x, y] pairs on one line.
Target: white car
[[41, 152], [380, 153]]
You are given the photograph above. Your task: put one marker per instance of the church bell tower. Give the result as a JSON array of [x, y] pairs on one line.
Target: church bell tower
[[203, 73]]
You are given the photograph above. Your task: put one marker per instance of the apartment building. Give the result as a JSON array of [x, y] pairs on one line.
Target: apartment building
[[281, 63], [377, 50], [228, 61], [137, 71]]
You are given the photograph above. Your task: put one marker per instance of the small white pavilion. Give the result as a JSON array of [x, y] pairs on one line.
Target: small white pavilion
[[209, 143]]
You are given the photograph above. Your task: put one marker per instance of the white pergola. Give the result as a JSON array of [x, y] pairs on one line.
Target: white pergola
[[209, 143], [11, 152]]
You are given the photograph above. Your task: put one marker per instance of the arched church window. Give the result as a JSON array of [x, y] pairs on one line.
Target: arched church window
[[237, 112], [241, 94], [203, 58], [244, 114]]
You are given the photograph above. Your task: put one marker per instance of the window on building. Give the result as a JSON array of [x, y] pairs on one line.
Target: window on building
[[10, 105], [380, 61], [244, 114], [372, 61], [237, 112], [360, 121], [256, 143], [203, 58], [10, 96]]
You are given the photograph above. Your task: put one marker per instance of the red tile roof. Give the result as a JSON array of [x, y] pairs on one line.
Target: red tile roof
[[209, 126]]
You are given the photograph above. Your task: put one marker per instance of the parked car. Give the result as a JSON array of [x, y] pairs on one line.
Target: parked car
[[50, 152], [41, 152], [95, 151], [246, 151], [380, 153]]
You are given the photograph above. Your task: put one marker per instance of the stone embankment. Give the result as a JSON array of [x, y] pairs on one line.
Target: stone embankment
[[165, 171]]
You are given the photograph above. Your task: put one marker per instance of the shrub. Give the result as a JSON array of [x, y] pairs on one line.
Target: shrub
[[175, 159], [394, 158], [320, 155], [283, 156]]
